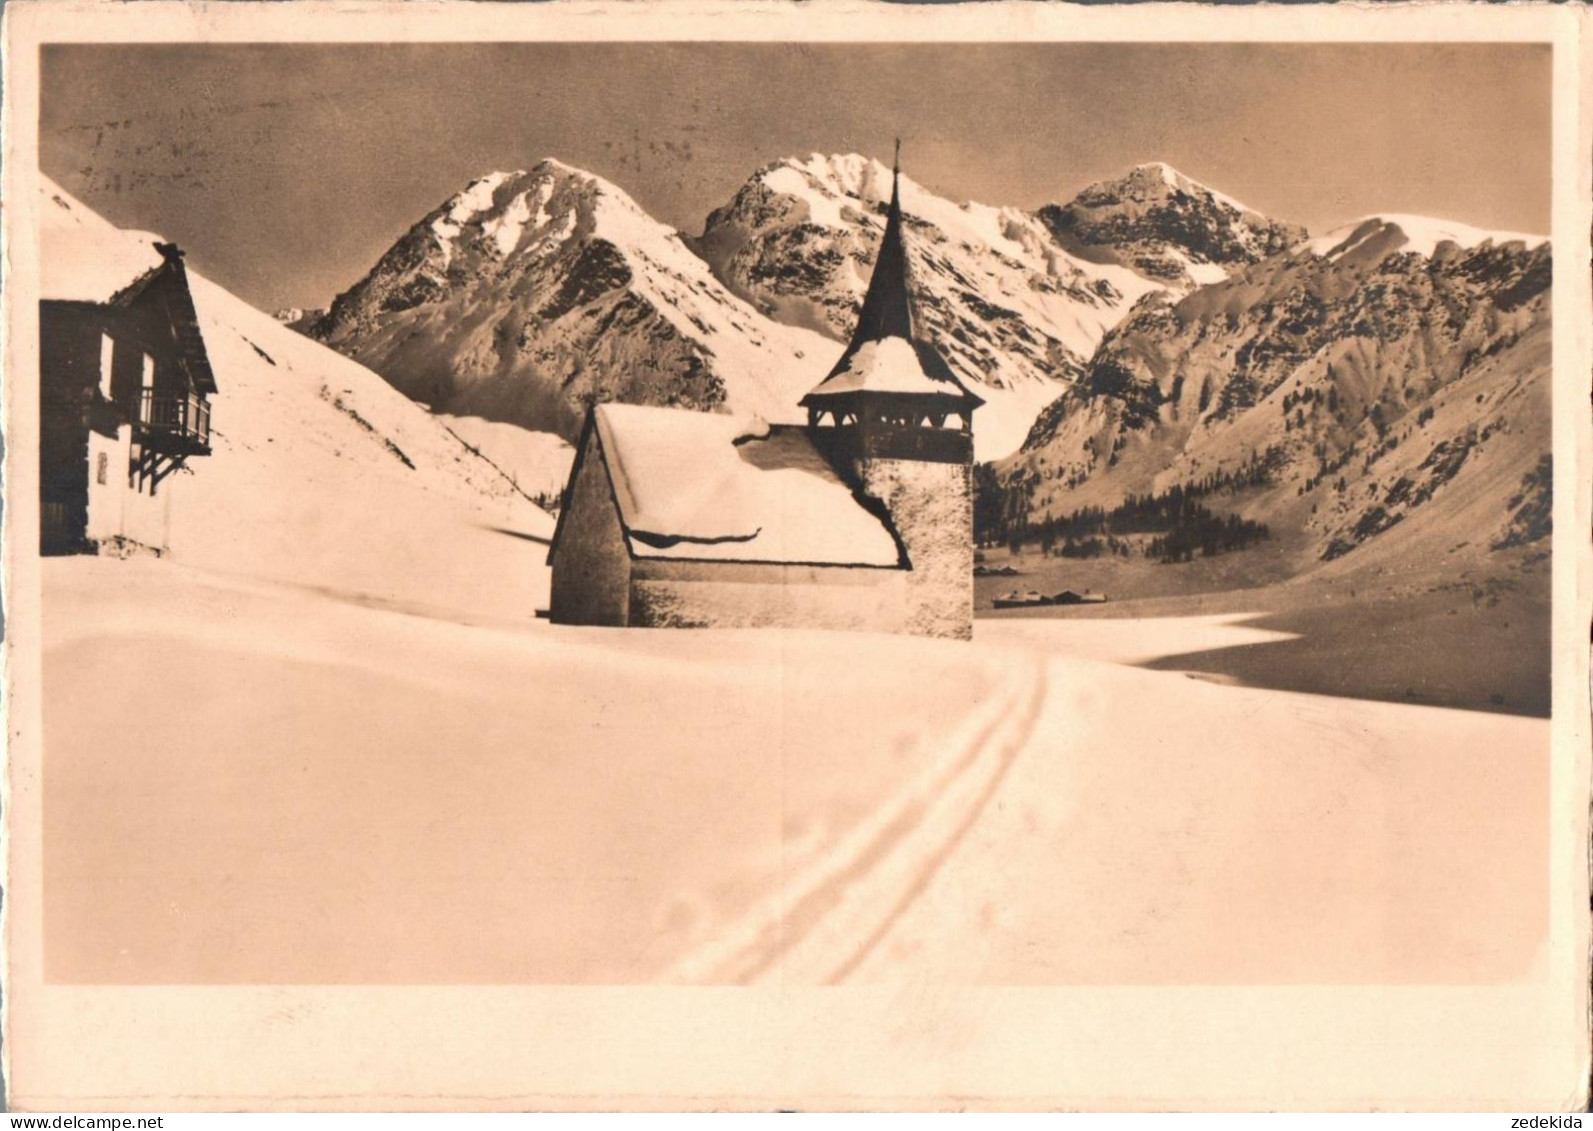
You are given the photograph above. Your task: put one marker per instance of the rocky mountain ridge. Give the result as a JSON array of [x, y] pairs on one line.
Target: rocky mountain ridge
[[1394, 369]]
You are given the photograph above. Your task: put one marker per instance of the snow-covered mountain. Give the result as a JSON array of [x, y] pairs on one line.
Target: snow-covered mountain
[[1372, 237], [532, 294], [321, 473], [529, 295], [1167, 227], [1395, 369], [1012, 312]]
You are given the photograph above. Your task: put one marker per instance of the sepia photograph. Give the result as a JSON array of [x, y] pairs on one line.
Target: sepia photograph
[[764, 514]]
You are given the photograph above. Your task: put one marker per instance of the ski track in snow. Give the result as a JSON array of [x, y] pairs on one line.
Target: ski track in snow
[[828, 918]]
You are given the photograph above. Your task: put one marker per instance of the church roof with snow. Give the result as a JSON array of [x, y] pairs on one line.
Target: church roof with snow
[[886, 355], [697, 486]]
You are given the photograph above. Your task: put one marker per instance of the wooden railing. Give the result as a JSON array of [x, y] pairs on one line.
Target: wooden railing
[[182, 418]]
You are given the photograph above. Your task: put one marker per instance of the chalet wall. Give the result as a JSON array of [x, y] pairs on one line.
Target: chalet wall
[[119, 512], [69, 352], [107, 484], [670, 594], [931, 506], [591, 565], [146, 513], [146, 518], [85, 440]]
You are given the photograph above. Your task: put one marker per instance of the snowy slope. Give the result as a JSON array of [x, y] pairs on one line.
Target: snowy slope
[[321, 473], [340, 783], [1012, 312], [538, 462], [531, 294], [342, 787]]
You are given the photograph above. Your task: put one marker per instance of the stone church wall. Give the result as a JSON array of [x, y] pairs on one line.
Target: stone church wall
[[667, 594], [931, 505], [591, 565]]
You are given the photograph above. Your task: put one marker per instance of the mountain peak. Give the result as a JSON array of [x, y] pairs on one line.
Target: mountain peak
[[491, 192], [820, 178], [553, 164], [531, 209], [534, 293], [1012, 314], [1157, 180], [1167, 226], [1161, 169]]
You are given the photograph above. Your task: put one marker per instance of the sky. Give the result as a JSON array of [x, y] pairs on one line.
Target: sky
[[286, 170]]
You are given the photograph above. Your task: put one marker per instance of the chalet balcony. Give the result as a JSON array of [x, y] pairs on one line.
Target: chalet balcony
[[178, 425]]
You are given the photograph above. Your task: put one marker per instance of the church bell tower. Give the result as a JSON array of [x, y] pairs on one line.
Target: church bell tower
[[897, 423]]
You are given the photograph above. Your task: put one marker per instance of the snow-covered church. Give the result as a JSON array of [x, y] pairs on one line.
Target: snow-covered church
[[860, 519]]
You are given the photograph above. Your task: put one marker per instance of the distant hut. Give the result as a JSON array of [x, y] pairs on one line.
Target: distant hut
[[125, 383], [862, 518]]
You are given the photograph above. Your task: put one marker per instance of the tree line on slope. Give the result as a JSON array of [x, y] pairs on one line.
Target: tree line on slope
[[1181, 525]]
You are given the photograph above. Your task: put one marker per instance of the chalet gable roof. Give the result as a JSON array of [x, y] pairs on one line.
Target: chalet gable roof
[[77, 267], [694, 486], [78, 264]]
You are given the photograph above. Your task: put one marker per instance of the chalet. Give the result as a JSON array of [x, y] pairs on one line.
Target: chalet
[[861, 518], [124, 388]]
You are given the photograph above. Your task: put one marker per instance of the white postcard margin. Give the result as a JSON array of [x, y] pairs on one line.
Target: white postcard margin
[[1513, 1047]]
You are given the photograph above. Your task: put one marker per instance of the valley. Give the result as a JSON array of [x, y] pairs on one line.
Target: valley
[[1473, 638], [1341, 431]]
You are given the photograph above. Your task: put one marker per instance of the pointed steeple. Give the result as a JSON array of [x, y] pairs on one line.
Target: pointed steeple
[[887, 308], [903, 368]]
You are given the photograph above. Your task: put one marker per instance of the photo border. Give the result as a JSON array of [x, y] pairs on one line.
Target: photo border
[[922, 1046]]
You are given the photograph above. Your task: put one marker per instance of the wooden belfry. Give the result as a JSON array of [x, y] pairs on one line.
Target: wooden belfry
[[889, 375]]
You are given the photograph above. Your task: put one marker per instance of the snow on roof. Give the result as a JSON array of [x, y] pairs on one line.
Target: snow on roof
[[85, 259], [687, 489], [84, 264], [890, 365], [1422, 235], [871, 362]]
